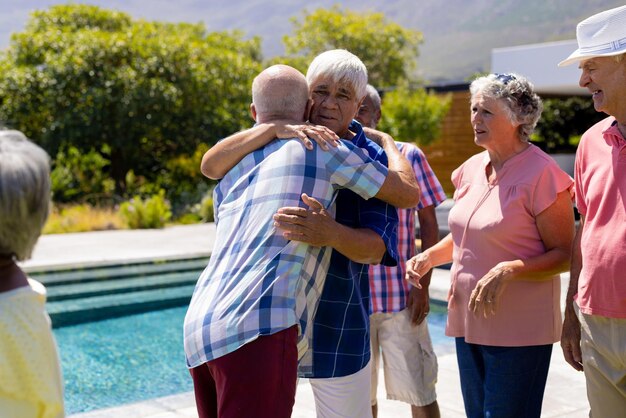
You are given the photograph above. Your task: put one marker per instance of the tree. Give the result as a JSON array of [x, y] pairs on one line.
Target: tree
[[388, 50], [147, 92], [413, 115]]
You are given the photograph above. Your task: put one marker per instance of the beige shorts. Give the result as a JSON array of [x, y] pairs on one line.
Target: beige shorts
[[409, 361], [342, 397], [603, 345]]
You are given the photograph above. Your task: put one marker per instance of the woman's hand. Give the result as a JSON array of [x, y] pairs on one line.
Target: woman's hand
[[416, 267], [486, 294], [305, 132]]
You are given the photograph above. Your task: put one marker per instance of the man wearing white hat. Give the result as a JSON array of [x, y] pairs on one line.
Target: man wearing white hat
[[594, 329]]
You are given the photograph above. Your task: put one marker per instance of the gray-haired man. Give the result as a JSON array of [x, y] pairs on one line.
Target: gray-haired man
[[594, 329]]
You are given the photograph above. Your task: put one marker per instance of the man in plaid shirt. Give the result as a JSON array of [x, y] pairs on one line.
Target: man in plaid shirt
[[410, 363], [259, 287], [365, 232]]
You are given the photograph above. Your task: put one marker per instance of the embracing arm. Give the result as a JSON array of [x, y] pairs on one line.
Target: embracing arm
[[360, 245], [315, 226], [556, 228], [570, 335], [224, 155], [400, 187]]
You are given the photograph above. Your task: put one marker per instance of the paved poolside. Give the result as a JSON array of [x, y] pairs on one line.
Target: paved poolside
[[565, 392]]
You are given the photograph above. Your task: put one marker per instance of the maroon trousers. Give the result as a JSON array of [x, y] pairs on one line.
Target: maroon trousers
[[257, 380]]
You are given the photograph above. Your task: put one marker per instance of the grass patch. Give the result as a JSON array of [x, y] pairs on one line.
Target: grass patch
[[82, 218]]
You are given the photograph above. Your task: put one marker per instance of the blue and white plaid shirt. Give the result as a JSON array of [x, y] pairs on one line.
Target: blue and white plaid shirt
[[257, 282], [340, 332]]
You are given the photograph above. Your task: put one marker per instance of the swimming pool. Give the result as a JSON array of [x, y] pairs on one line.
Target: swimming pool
[[138, 357]]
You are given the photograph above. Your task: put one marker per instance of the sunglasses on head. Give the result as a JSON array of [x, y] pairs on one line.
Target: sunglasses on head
[[505, 78]]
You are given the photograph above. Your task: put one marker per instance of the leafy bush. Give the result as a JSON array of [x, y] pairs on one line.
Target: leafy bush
[[206, 210], [76, 175], [152, 212], [388, 50], [82, 75], [188, 219], [413, 115], [203, 210], [81, 218], [562, 123]]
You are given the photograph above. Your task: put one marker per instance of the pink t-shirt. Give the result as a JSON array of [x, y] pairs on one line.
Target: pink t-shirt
[[491, 223], [600, 174]]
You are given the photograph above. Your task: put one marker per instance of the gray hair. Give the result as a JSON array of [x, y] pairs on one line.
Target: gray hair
[[280, 91], [24, 193], [372, 93], [523, 105], [341, 66]]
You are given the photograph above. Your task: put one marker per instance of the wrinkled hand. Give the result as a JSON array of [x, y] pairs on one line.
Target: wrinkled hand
[[416, 267], [486, 294], [418, 304], [570, 340], [320, 134], [313, 226]]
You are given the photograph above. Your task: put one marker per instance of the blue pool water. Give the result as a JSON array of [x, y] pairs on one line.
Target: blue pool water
[[123, 360], [140, 357]]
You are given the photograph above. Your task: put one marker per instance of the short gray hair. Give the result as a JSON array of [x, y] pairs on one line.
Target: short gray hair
[[24, 193], [341, 66], [373, 94], [523, 105]]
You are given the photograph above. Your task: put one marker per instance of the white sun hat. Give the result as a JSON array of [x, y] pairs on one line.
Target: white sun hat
[[601, 35]]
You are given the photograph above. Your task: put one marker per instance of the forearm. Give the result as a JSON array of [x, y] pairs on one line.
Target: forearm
[[539, 268], [429, 236], [575, 268], [360, 245], [224, 155], [440, 253]]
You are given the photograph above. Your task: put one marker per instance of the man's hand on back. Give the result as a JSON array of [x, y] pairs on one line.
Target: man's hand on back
[[305, 132]]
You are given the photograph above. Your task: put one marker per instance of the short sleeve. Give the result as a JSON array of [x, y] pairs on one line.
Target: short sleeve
[[431, 190], [457, 179], [29, 365], [552, 181], [352, 168]]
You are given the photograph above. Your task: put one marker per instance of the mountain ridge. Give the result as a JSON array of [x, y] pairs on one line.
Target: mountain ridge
[[458, 35]]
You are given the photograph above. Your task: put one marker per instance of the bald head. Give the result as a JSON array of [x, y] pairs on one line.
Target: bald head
[[279, 92]]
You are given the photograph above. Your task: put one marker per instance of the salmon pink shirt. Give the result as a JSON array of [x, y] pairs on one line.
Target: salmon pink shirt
[[495, 222], [601, 197]]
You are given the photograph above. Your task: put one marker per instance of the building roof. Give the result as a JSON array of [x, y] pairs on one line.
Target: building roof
[[538, 62]]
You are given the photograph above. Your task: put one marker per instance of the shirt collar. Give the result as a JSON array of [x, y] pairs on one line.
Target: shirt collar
[[359, 135], [613, 130]]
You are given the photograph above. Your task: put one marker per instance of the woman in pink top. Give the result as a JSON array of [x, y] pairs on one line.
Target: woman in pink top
[[511, 231]]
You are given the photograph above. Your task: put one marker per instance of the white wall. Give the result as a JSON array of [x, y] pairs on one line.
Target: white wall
[[539, 62]]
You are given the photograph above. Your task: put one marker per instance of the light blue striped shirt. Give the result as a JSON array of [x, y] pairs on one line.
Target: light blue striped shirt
[[257, 282]]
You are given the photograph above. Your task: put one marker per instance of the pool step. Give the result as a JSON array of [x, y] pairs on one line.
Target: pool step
[[120, 285], [95, 308], [92, 274], [96, 293]]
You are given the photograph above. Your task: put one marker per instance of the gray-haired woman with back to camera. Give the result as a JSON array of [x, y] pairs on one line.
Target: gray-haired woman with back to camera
[[511, 231], [30, 374]]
